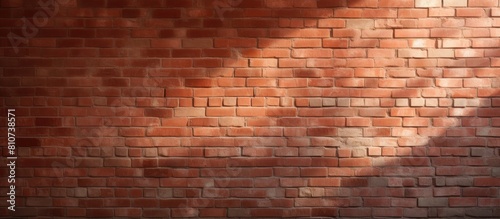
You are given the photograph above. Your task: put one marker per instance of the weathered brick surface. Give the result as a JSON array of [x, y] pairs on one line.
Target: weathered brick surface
[[252, 108]]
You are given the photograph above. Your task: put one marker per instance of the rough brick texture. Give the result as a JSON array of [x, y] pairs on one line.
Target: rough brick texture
[[252, 108]]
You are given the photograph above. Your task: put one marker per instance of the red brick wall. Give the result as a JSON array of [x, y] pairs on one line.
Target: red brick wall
[[252, 108]]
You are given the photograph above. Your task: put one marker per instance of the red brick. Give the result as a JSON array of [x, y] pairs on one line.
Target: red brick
[[354, 212], [358, 122], [470, 12], [350, 53], [324, 182], [462, 202], [394, 3], [379, 13], [208, 131], [48, 121], [411, 33], [99, 212], [354, 162], [281, 112], [238, 92], [464, 93], [416, 122], [388, 122], [168, 132], [423, 63], [326, 3], [403, 112], [406, 93], [428, 112], [220, 111], [350, 82], [368, 73], [318, 53], [446, 32], [420, 82], [213, 212], [322, 131], [184, 212], [251, 111], [423, 202], [485, 3]]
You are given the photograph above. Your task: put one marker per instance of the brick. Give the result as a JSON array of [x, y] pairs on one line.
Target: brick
[[446, 32], [189, 112], [263, 63], [315, 103], [462, 202], [335, 43], [332, 23], [485, 3], [232, 121], [495, 12], [411, 33], [444, 12], [486, 182], [455, 3], [369, 73], [456, 43], [449, 82], [322, 131], [412, 53], [420, 63], [220, 111], [427, 3], [261, 82], [348, 13], [360, 24], [358, 122], [470, 12], [432, 202], [414, 13], [319, 53], [354, 162], [394, 3], [377, 34], [421, 43], [479, 212], [420, 82], [350, 53], [444, 53], [416, 102], [403, 112], [168, 132], [307, 43], [354, 212], [368, 4]]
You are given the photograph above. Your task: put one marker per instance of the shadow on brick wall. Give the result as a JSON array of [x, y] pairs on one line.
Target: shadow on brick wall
[[251, 108]]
